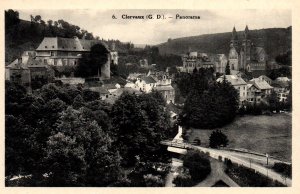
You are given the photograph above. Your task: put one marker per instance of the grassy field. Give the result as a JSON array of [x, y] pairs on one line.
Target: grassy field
[[263, 134]]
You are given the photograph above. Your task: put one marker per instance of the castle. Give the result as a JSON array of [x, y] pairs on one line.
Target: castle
[[244, 55], [57, 51]]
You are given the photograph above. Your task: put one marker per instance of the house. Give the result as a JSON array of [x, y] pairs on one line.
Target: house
[[194, 60], [71, 80], [238, 83], [113, 96], [145, 83], [111, 87], [263, 86], [134, 76], [280, 86], [253, 93], [18, 72], [103, 92], [220, 62], [130, 85], [283, 79], [163, 85], [282, 96], [266, 78], [26, 69], [168, 92]]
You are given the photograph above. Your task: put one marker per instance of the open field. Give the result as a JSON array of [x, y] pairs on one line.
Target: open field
[[263, 134]]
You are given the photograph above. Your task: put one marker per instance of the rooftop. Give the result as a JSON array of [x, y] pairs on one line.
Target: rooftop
[[67, 44], [233, 79]]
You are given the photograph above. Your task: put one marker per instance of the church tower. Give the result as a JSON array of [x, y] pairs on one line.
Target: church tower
[[246, 48], [234, 39], [233, 56]]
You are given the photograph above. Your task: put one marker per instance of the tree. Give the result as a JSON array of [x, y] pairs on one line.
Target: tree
[[227, 69], [218, 139], [90, 64], [11, 18], [65, 161], [210, 106], [274, 103], [82, 151], [198, 165], [140, 123]]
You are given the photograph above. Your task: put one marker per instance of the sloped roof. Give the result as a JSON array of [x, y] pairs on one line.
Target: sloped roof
[[265, 78], [260, 84], [233, 79], [164, 88], [101, 90], [279, 84], [250, 84], [30, 63], [148, 79], [68, 44]]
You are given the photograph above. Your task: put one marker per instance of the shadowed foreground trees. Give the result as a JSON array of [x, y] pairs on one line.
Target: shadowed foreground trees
[[196, 167], [62, 136], [209, 104]]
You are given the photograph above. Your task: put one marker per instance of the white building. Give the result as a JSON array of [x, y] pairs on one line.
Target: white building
[[238, 83], [146, 83]]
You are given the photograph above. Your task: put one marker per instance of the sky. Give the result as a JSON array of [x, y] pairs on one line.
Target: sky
[[155, 31]]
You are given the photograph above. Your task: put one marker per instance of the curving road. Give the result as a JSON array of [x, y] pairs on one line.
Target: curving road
[[240, 158]]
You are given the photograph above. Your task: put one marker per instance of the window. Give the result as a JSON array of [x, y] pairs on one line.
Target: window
[[52, 46], [46, 47]]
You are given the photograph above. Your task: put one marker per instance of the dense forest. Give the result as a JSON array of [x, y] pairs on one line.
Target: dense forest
[[276, 41]]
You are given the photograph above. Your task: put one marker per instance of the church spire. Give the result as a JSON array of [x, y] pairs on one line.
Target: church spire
[[246, 32], [234, 34], [234, 38]]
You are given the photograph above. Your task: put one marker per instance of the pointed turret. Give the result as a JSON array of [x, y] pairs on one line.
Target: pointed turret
[[234, 34], [246, 32], [234, 38]]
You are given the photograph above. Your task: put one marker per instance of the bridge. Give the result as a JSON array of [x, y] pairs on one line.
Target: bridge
[[250, 160]]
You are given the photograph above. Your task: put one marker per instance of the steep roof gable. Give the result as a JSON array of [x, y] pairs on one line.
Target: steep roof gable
[[68, 44]]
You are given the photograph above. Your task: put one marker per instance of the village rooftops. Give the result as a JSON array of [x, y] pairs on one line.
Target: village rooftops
[[235, 80], [68, 44]]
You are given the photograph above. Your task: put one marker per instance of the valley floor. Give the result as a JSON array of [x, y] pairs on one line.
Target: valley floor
[[263, 134]]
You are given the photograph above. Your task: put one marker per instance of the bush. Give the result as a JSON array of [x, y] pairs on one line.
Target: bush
[[246, 177], [282, 168], [198, 165], [183, 179], [218, 139]]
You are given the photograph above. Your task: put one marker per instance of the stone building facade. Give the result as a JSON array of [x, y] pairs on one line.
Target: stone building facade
[[244, 55], [57, 51]]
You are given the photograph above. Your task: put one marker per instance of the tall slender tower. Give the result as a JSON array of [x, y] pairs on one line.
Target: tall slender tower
[[246, 48], [234, 39]]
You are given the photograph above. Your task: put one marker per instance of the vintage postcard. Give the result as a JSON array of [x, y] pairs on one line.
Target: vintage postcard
[[149, 96]]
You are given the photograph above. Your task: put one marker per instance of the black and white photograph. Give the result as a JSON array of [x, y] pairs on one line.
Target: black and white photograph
[[148, 97]]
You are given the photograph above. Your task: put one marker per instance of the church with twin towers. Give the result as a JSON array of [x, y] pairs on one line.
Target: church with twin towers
[[244, 55]]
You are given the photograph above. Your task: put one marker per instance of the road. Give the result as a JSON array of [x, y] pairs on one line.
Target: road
[[239, 158]]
